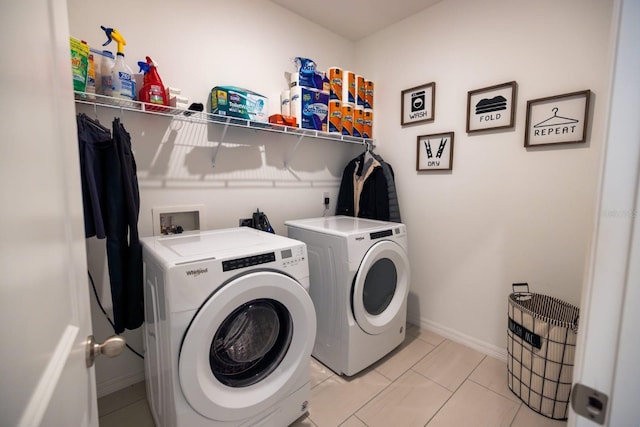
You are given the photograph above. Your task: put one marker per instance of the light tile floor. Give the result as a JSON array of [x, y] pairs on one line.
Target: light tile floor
[[426, 381]]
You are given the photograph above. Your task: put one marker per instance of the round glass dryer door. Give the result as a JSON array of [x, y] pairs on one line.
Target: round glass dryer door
[[247, 346], [380, 287]]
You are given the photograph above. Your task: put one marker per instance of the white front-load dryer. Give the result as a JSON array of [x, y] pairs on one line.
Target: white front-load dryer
[[359, 283], [229, 328]]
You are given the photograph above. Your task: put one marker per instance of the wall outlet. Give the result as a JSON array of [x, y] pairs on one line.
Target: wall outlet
[[245, 222], [325, 198]]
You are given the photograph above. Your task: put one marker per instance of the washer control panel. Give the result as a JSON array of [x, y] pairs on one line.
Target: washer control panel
[[248, 261], [287, 257], [293, 256], [380, 234]]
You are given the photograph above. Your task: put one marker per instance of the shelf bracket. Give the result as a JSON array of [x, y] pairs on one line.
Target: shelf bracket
[[293, 150], [224, 134]]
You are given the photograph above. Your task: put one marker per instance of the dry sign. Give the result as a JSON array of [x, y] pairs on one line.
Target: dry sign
[[435, 152]]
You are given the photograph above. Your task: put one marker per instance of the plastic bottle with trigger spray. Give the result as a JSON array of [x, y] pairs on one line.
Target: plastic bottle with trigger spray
[[106, 66], [152, 90], [124, 86]]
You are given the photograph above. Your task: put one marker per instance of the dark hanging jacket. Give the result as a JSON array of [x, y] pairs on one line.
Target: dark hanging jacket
[[111, 207], [392, 194], [374, 194]]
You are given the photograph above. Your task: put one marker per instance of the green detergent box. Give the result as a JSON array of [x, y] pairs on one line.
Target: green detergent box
[[238, 102], [79, 64]]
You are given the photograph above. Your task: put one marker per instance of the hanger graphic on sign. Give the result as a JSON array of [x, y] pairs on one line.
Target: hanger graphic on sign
[[555, 120]]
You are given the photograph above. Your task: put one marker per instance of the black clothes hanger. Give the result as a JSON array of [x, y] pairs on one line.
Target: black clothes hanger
[[93, 122]]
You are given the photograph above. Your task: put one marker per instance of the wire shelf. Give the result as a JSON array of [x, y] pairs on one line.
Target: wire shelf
[[204, 117]]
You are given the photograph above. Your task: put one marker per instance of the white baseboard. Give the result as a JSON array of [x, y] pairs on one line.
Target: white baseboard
[[460, 338], [114, 384]]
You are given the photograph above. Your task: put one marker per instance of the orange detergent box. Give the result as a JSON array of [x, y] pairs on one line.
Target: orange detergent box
[[349, 91], [335, 83], [368, 94], [358, 122], [368, 123], [280, 119], [335, 116], [347, 118], [360, 91]]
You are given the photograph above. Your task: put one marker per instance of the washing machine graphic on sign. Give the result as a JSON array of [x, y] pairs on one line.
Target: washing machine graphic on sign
[[229, 328], [359, 282]]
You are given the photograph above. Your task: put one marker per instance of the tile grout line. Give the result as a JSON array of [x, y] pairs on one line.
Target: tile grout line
[[392, 382], [120, 408], [410, 367], [493, 391], [373, 369], [516, 415], [452, 393]]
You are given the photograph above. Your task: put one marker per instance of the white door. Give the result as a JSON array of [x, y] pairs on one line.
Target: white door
[[380, 287], [608, 348], [248, 346], [44, 300]]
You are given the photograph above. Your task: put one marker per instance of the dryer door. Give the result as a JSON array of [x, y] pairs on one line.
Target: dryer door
[[247, 346], [380, 287]]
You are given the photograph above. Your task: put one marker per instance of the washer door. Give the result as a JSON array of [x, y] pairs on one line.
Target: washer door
[[247, 346], [380, 287]]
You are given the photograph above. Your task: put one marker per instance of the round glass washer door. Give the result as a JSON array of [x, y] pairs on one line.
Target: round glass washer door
[[247, 346], [251, 342], [380, 287]]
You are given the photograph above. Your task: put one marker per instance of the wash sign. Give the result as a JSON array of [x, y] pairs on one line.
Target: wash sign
[[417, 104]]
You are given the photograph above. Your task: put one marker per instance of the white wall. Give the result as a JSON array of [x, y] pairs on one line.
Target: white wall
[[198, 45], [504, 214]]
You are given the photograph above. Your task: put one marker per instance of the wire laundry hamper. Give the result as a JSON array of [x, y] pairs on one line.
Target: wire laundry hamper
[[541, 345]]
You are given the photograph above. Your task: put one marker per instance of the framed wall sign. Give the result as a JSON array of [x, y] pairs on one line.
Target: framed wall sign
[[435, 152], [560, 119], [491, 108], [418, 104]]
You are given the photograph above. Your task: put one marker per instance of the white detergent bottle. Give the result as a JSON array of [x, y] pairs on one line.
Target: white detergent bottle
[[124, 85], [122, 78], [106, 66]]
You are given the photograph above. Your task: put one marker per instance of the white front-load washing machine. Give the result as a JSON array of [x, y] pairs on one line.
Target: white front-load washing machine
[[229, 328], [359, 282]]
